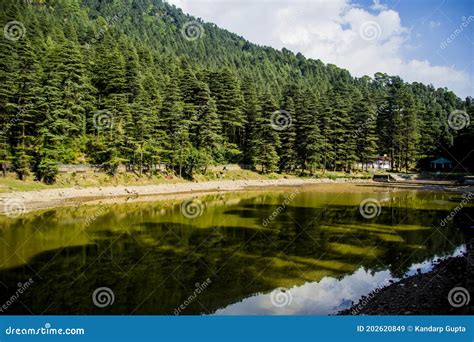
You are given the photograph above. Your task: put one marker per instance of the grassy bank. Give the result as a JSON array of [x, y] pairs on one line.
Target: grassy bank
[[11, 183]]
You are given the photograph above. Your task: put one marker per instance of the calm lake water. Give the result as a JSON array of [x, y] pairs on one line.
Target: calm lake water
[[273, 251]]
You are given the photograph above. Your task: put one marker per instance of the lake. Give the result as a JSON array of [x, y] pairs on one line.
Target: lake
[[301, 250]]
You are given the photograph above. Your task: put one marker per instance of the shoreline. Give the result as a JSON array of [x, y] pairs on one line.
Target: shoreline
[[26, 201], [424, 293], [57, 197]]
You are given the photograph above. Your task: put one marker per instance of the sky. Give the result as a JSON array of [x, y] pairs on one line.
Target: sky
[[429, 41]]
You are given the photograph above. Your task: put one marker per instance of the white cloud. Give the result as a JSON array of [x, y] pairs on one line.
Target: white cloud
[[434, 24], [339, 32]]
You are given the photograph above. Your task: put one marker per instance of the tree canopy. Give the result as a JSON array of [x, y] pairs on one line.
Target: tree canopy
[[110, 82]]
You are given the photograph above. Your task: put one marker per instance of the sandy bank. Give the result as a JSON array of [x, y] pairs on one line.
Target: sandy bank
[[48, 198]]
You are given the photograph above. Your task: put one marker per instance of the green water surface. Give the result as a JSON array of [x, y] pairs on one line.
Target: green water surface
[[154, 256]]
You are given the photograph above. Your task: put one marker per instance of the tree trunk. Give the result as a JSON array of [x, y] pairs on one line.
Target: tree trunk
[[141, 162]]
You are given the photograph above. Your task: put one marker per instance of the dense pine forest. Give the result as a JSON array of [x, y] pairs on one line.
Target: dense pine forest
[[138, 82]]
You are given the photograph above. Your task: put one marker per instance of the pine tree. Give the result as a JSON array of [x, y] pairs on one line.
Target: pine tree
[[67, 99], [365, 132], [8, 106], [312, 142], [225, 89], [252, 113], [328, 156], [266, 142], [113, 121], [287, 150], [208, 130], [175, 125], [86, 90], [26, 98], [342, 139]]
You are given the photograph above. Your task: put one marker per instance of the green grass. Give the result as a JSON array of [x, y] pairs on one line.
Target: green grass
[[10, 183]]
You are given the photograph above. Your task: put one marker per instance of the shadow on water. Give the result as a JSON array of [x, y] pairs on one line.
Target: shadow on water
[[153, 266]]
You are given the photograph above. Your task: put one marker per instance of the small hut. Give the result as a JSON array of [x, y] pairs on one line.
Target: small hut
[[441, 164]]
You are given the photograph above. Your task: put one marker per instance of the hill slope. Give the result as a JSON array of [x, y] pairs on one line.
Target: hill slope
[[140, 82]]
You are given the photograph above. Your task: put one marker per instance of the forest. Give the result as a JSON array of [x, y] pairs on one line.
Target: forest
[[138, 82]]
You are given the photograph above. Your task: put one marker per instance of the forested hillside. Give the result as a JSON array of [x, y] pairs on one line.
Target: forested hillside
[[139, 82]]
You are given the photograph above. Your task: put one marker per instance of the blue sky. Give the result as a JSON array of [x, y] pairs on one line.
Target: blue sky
[[399, 37], [432, 22]]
